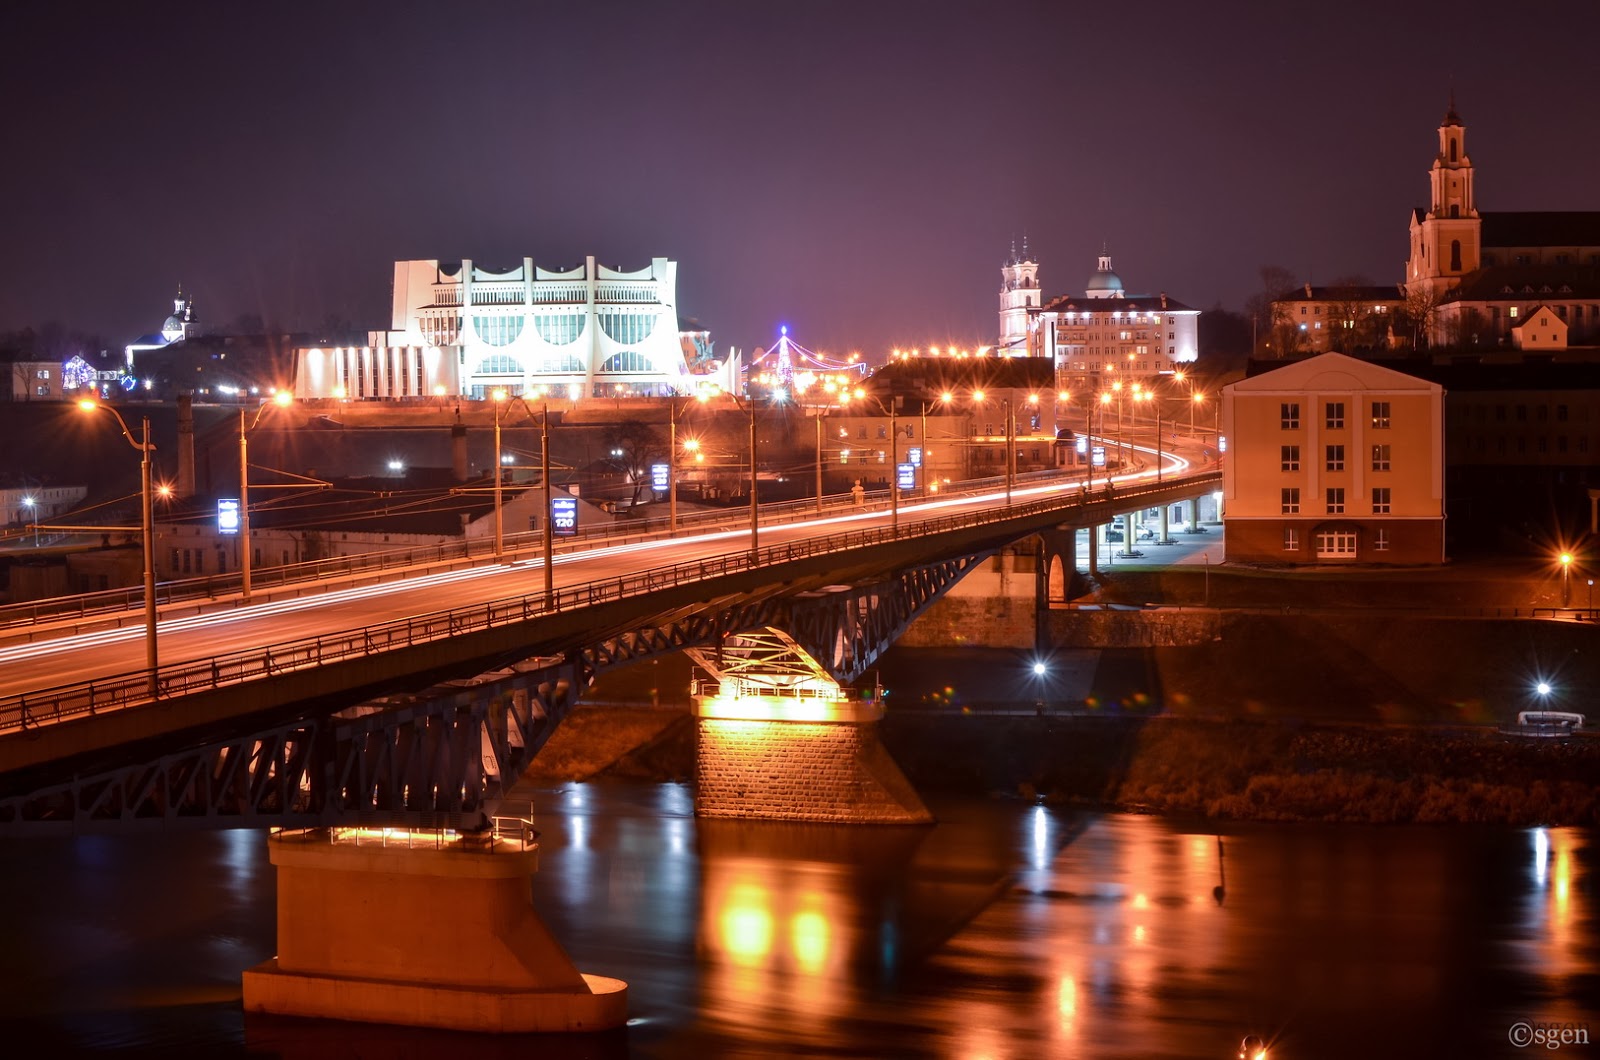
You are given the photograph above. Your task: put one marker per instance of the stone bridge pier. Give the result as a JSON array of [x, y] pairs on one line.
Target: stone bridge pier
[[778, 738]]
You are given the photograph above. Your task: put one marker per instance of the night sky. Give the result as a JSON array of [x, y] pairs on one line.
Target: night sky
[[856, 170]]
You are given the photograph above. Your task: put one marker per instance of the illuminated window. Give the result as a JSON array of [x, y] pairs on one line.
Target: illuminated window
[[1380, 415], [1380, 457]]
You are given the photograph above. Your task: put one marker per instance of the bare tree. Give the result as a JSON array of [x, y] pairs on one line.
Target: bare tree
[[633, 445], [1267, 317], [1418, 315]]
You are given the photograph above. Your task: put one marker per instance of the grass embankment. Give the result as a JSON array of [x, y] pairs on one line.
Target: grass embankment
[[1258, 771]]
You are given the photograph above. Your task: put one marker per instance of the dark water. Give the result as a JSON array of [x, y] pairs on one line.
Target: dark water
[[1007, 931]]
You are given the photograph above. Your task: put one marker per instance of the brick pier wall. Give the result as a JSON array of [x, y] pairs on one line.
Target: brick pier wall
[[835, 772]]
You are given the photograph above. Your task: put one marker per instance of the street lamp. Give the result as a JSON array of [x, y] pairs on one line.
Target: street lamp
[[145, 447], [281, 399], [499, 396], [33, 517], [1566, 578]]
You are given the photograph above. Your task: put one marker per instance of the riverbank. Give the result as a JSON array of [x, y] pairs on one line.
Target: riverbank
[[1234, 769]]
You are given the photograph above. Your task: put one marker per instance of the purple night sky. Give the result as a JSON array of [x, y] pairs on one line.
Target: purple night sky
[[856, 170]]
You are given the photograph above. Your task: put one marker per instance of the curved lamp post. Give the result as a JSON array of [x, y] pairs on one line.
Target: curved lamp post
[[147, 520]]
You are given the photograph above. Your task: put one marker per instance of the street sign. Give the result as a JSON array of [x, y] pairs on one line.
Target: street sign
[[658, 478], [564, 516], [914, 454], [907, 476], [1222, 443], [1099, 457], [227, 516]]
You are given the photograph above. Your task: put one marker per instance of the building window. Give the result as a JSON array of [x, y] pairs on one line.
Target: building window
[[1335, 415], [1561, 414], [1291, 500], [1380, 457], [1336, 544], [1335, 500], [1380, 415], [1380, 539], [1291, 539], [1289, 415], [1380, 500], [1290, 459], [1335, 458]]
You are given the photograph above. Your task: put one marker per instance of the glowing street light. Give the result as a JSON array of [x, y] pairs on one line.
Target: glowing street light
[[1566, 578], [33, 517], [145, 447]]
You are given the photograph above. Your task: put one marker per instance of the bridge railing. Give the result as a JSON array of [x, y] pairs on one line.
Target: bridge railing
[[329, 572], [51, 705]]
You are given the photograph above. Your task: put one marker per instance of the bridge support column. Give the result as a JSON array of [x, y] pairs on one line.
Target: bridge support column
[[1166, 537], [1194, 515], [433, 934], [777, 742], [1094, 549]]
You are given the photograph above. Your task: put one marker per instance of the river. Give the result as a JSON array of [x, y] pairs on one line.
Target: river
[[1005, 931]]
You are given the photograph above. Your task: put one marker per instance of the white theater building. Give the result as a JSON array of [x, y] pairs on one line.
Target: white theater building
[[464, 329]]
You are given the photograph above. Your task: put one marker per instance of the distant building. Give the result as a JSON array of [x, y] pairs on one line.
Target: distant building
[[1472, 276], [1019, 293], [1342, 318], [460, 328], [1334, 460], [1108, 334], [180, 325]]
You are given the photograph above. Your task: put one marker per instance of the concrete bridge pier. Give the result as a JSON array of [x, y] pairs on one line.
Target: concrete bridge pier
[[779, 739], [421, 929]]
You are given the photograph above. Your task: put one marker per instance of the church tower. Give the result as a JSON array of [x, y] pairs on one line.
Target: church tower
[[1446, 238], [1019, 292]]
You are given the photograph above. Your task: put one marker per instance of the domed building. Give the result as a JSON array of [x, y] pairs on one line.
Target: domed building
[[1104, 283]]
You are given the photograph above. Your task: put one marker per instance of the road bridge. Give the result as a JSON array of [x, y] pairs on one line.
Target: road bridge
[[240, 680]]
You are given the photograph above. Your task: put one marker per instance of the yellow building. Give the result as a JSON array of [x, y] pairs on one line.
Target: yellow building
[[1334, 460]]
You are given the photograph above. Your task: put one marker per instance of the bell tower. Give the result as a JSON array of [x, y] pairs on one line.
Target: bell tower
[[1447, 237], [1019, 291]]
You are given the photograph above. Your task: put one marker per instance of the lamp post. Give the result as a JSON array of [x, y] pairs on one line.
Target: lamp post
[[819, 460], [147, 521], [547, 521], [281, 399], [33, 517], [1011, 448], [1566, 579], [755, 521], [499, 527]]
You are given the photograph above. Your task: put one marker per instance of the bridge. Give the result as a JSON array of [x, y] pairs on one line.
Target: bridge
[[414, 697], [844, 582]]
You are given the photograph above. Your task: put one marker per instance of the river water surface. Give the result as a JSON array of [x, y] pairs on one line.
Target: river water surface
[[1005, 931]]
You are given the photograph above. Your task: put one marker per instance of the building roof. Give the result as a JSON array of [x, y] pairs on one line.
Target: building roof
[[1138, 303], [1326, 371], [1342, 293], [1518, 283], [1547, 228]]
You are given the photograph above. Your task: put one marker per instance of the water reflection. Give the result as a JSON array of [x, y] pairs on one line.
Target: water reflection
[[1006, 931]]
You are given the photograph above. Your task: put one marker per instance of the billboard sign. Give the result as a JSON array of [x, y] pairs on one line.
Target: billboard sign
[[564, 516], [658, 478], [914, 454], [1099, 458], [227, 516], [907, 476]]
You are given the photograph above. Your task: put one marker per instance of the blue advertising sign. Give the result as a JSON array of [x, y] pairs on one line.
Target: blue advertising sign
[[914, 454], [907, 476], [1222, 443], [1099, 458], [227, 516], [1083, 444], [658, 478], [564, 516]]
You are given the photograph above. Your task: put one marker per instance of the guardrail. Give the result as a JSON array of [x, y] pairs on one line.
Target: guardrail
[[50, 705], [264, 580]]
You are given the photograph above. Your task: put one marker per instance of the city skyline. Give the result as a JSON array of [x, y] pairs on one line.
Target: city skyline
[[856, 174]]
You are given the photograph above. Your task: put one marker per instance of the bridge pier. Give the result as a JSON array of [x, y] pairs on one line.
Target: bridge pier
[[421, 930], [778, 739]]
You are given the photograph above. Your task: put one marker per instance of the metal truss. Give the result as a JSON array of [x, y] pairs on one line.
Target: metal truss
[[446, 757], [765, 661]]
